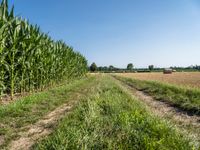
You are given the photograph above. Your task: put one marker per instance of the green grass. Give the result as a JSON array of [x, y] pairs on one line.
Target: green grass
[[111, 119], [32, 108], [184, 98]]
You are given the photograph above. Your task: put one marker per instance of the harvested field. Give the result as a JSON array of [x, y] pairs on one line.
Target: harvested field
[[189, 79], [53, 98]]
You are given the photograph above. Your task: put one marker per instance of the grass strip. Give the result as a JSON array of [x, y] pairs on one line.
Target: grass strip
[[183, 98], [30, 109], [112, 119]]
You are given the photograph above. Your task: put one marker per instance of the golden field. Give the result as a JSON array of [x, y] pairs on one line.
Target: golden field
[[188, 79]]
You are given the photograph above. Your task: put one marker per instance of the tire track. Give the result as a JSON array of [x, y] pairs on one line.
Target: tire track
[[41, 128], [187, 123]]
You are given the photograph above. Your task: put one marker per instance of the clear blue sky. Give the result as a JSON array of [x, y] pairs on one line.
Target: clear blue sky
[[159, 32]]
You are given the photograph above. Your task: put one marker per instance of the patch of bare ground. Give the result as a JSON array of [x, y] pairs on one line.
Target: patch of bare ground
[[32, 133], [189, 124], [1, 140], [5, 100]]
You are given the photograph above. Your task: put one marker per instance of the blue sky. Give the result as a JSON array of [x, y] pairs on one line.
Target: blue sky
[[117, 32]]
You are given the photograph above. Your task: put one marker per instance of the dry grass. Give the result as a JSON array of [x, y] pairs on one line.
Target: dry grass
[[189, 79]]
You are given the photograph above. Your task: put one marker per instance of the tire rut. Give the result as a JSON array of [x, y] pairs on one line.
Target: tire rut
[[40, 129], [187, 123]]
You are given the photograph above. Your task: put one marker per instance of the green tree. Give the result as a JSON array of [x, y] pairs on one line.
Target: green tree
[[111, 68], [105, 68], [130, 66], [93, 67], [151, 67]]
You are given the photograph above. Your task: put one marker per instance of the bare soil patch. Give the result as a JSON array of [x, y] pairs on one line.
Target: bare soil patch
[[42, 128]]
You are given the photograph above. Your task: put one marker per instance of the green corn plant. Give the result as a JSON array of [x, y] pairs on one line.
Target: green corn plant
[[29, 59]]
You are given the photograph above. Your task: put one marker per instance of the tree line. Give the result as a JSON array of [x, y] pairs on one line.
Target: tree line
[[93, 67], [130, 68]]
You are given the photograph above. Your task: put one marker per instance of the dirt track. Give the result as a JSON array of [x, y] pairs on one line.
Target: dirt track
[[32, 133], [40, 129], [187, 123]]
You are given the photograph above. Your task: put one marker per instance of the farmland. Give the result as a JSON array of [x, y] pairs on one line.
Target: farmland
[[50, 101], [184, 98], [30, 60], [98, 111], [174, 103], [186, 79], [105, 121]]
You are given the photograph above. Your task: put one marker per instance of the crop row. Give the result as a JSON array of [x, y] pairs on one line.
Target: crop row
[[30, 59]]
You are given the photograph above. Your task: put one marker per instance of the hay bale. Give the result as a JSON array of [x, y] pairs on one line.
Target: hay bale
[[173, 70], [167, 71]]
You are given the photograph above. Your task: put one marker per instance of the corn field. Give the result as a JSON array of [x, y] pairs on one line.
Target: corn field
[[30, 59]]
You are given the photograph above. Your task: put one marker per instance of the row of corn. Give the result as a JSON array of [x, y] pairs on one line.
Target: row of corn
[[30, 59]]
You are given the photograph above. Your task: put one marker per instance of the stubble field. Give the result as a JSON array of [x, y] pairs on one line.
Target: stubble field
[[186, 79]]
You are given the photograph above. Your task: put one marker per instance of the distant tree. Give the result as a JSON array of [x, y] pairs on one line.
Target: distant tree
[[100, 68], [111, 68], [105, 68], [197, 67], [151, 67], [130, 66], [93, 67]]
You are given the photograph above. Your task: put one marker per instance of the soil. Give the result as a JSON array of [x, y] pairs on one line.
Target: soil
[[40, 129]]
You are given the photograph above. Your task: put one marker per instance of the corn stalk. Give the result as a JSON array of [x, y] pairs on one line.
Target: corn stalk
[[29, 59]]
